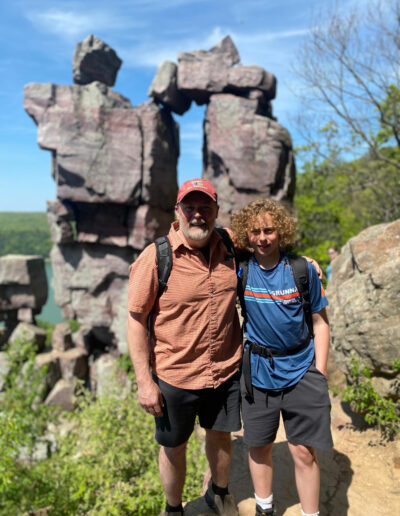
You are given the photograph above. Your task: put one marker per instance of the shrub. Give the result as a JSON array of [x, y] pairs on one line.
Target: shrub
[[375, 409], [104, 464]]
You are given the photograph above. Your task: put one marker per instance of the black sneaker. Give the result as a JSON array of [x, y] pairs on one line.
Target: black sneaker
[[264, 512], [227, 507], [175, 513]]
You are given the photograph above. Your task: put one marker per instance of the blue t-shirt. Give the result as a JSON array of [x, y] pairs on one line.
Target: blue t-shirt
[[275, 319]]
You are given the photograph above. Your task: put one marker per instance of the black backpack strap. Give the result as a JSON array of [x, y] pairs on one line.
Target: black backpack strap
[[164, 262], [243, 271], [302, 280], [227, 242], [241, 268]]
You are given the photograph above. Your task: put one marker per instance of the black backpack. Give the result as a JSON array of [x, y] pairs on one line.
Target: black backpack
[[298, 264]]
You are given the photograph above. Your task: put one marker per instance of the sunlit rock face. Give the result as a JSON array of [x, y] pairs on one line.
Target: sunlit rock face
[[115, 165], [364, 312]]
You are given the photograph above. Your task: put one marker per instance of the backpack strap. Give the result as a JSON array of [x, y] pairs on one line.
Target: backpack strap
[[241, 268], [164, 262], [242, 280], [302, 280]]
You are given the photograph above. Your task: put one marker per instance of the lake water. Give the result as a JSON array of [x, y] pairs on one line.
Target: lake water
[[50, 312]]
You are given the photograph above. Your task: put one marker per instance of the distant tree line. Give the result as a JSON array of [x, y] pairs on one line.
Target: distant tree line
[[24, 233]]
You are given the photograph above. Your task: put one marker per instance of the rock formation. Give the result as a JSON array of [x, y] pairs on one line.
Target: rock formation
[[364, 312], [114, 165], [23, 289]]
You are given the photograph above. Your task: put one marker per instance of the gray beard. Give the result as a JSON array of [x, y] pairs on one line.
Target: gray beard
[[196, 234]]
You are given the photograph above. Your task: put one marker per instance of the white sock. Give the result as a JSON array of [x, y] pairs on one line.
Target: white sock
[[264, 503], [308, 514]]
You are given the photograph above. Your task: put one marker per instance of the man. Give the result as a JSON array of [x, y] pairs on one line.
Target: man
[[190, 364]]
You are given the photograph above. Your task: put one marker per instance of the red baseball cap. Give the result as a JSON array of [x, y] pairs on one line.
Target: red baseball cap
[[196, 185]]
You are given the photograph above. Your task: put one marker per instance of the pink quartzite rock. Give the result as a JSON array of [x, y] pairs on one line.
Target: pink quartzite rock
[[160, 156], [164, 89], [87, 282], [62, 395], [364, 307], [51, 361], [146, 224], [59, 216], [94, 60], [96, 141], [202, 72], [244, 78], [105, 151], [73, 363], [246, 155], [61, 339], [26, 332], [23, 282]]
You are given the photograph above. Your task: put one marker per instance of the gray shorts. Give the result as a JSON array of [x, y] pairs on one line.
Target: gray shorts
[[305, 409], [217, 409]]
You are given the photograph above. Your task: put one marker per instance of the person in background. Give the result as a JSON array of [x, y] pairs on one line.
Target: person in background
[[287, 365], [333, 253]]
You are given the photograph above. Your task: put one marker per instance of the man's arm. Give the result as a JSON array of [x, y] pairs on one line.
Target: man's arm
[[149, 394], [321, 340]]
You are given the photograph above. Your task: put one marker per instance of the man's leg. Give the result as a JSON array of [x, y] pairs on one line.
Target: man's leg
[[260, 463], [306, 471], [172, 465], [219, 455]]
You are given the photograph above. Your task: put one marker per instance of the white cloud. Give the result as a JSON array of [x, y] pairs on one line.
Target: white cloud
[[73, 24]]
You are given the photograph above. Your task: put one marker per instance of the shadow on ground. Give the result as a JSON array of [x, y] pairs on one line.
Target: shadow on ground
[[336, 477]]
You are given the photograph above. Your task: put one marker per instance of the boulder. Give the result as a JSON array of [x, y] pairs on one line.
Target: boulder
[[246, 155], [23, 282], [247, 78], [93, 61], [164, 89], [364, 308], [73, 363], [61, 339], [106, 378], [201, 72], [26, 332], [62, 395], [52, 362]]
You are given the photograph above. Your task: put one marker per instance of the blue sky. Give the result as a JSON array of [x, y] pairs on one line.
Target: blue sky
[[38, 38]]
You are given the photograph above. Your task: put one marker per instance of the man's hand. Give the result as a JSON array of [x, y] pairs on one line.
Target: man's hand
[[315, 265], [150, 398]]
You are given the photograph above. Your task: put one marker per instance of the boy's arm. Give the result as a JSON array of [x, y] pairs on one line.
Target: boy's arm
[[321, 340], [149, 394]]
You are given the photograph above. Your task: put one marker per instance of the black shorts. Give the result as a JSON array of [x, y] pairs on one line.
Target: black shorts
[[305, 409], [217, 409]]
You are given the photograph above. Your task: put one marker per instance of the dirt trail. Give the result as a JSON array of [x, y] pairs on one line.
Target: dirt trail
[[359, 477]]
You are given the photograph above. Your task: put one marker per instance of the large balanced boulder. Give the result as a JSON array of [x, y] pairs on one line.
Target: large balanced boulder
[[364, 311], [202, 72], [93, 61]]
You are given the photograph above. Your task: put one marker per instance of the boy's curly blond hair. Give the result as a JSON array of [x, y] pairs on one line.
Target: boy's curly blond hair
[[246, 219]]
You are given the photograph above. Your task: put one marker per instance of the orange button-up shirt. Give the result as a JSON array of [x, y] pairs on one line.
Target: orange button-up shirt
[[196, 341]]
